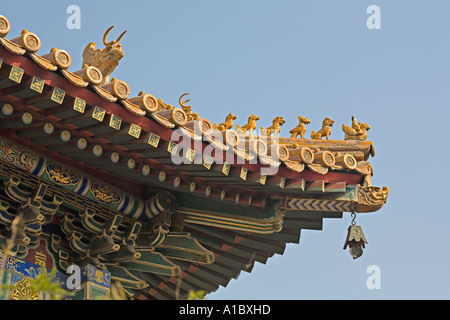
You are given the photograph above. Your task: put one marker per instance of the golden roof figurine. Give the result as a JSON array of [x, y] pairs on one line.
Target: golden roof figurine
[[250, 126], [325, 131], [106, 59], [188, 109], [228, 124], [300, 129], [358, 130], [274, 128]]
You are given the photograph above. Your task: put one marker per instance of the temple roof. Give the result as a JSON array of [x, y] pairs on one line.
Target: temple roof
[[128, 129], [240, 191]]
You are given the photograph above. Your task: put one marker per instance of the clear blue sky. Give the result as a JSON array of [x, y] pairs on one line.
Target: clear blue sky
[[310, 58]]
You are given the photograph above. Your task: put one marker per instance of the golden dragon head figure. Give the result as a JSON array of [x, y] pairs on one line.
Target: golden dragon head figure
[[106, 59]]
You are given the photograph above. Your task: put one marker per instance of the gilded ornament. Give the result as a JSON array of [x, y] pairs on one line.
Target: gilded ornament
[[228, 124], [347, 160], [89, 74], [250, 126], [42, 62], [118, 88], [282, 153], [27, 40], [306, 155], [106, 59], [104, 194], [274, 128], [121, 89], [23, 290], [205, 126], [101, 277], [326, 158], [145, 101], [11, 46], [16, 74], [325, 131], [294, 166], [17, 156], [179, 117], [58, 95], [188, 109], [357, 131], [300, 129], [58, 57], [61, 58], [164, 106], [4, 26], [37, 85], [371, 198]]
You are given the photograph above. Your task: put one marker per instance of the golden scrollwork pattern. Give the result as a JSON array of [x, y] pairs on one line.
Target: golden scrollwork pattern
[[104, 194], [60, 175], [22, 290]]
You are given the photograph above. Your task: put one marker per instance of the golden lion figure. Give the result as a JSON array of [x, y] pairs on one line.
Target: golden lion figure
[[327, 123], [250, 126], [358, 130], [274, 128], [300, 129], [228, 124]]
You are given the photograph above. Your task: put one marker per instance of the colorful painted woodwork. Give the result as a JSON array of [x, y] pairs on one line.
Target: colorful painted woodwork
[[134, 190]]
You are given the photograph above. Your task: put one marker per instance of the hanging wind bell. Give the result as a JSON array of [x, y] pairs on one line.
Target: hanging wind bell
[[355, 240]]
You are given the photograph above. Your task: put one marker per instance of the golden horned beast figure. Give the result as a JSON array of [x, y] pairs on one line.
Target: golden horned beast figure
[[358, 130], [106, 59], [327, 123], [300, 129], [228, 124]]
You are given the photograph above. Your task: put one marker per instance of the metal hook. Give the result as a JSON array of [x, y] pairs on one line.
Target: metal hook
[[353, 218]]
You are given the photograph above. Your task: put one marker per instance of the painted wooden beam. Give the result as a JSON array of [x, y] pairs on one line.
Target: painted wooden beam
[[163, 289], [153, 262], [17, 122], [213, 238], [127, 278], [205, 273], [301, 223], [29, 87], [50, 97], [147, 140], [126, 132], [110, 123], [182, 246], [297, 184], [335, 187], [90, 116], [317, 186], [73, 107]]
